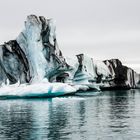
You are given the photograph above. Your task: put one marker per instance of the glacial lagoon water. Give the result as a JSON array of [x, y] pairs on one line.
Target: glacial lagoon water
[[109, 115]]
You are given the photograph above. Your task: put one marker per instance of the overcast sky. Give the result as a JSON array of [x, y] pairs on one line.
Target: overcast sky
[[101, 28]]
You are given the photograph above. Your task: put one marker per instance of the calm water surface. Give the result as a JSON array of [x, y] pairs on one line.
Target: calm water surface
[[110, 115]]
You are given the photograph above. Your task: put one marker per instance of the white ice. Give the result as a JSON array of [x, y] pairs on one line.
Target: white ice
[[43, 89]]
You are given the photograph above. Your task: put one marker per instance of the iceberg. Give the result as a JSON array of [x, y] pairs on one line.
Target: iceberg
[[32, 58], [122, 77], [111, 74], [32, 65]]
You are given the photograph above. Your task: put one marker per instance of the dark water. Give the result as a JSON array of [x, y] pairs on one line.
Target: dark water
[[110, 115]]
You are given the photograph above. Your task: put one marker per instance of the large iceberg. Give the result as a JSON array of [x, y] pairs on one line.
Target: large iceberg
[[33, 58], [32, 65]]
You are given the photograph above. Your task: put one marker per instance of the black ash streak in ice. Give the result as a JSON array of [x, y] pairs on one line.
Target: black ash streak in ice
[[34, 62]]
